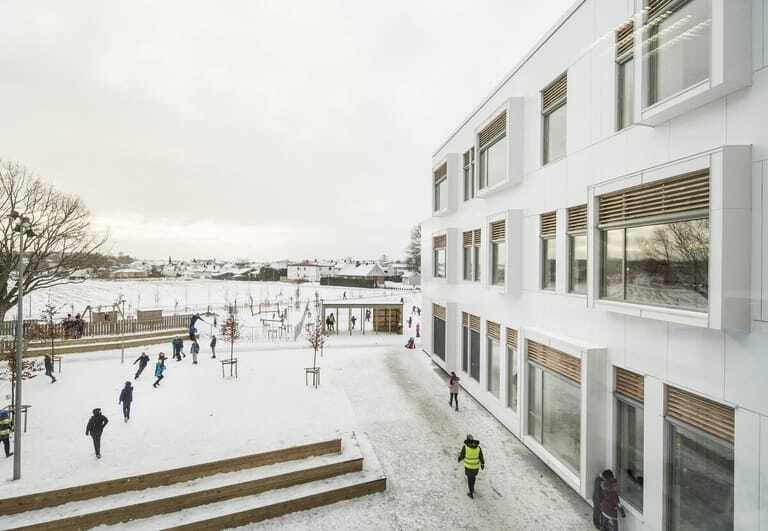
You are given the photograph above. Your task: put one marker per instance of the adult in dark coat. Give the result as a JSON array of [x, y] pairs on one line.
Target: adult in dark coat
[[126, 397], [94, 428], [142, 360], [610, 505], [597, 497], [213, 346], [48, 361]]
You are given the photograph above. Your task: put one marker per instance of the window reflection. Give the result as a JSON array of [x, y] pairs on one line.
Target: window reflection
[[548, 271], [578, 264]]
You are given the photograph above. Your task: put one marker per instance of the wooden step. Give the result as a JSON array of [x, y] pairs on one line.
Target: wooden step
[[52, 498]]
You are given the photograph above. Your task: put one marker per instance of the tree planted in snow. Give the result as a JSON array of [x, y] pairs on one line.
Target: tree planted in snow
[[230, 331], [316, 340], [29, 368], [48, 330]]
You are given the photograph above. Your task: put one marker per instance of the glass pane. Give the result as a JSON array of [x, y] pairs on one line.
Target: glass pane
[[467, 184], [549, 264], [493, 163], [629, 453], [562, 420], [468, 269], [443, 188], [668, 265], [680, 49], [474, 343], [578, 264], [554, 134], [626, 91], [612, 273], [439, 267], [477, 262], [438, 337], [499, 263], [494, 368], [464, 348], [436, 197], [512, 375], [699, 482], [534, 402]]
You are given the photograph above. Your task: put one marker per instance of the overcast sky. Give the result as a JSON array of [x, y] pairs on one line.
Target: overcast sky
[[265, 129]]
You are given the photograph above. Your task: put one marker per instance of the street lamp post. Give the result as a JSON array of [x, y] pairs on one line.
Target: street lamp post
[[23, 228]]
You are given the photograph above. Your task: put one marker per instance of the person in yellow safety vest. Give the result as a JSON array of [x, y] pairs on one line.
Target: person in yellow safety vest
[[6, 426], [472, 455]]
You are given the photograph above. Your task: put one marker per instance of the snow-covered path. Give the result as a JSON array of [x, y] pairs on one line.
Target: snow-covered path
[[401, 401]]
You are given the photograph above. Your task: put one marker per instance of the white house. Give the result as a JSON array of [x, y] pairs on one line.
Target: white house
[[595, 266], [309, 271]]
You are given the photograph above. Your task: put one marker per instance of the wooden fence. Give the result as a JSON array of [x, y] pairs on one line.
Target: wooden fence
[[108, 328]]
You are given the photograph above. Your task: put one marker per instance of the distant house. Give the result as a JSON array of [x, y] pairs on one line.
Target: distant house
[[270, 274], [358, 276], [80, 274], [309, 271], [127, 273]]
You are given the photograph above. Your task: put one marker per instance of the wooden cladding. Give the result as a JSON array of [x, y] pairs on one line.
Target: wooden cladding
[[629, 384], [498, 231], [439, 242], [441, 172], [474, 323], [706, 415], [548, 225], [577, 219], [555, 94], [512, 338], [555, 360], [438, 311], [688, 194], [493, 129], [655, 8], [471, 237], [494, 330], [625, 40]]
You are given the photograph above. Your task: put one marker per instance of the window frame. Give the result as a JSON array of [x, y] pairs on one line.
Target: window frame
[[497, 248], [543, 243], [513, 401], [436, 254], [473, 274], [623, 65], [639, 410], [545, 148], [468, 172], [445, 337], [482, 180]]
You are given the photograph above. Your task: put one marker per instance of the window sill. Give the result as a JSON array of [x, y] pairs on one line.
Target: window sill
[[672, 315], [441, 213], [566, 474], [555, 161], [581, 296], [490, 190]]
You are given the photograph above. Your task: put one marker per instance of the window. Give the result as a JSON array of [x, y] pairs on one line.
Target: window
[[512, 369], [438, 331], [494, 365], [471, 239], [438, 246], [474, 347], [655, 243], [493, 152], [469, 174], [554, 100], [498, 252], [625, 76], [464, 341], [554, 403], [629, 392], [699, 461], [440, 198], [548, 232], [577, 249], [679, 42]]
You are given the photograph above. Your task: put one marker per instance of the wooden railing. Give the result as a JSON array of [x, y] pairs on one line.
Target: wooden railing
[[106, 328]]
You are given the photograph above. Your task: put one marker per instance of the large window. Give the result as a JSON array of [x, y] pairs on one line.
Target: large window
[[554, 403], [577, 249], [469, 174], [438, 256], [471, 258], [679, 46], [648, 260], [465, 342], [629, 390], [494, 363], [438, 331], [554, 112], [699, 459], [548, 233], [474, 347], [440, 188], [493, 152], [512, 369], [498, 252], [625, 76]]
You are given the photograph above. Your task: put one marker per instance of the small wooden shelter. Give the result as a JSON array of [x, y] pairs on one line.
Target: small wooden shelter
[[387, 317]]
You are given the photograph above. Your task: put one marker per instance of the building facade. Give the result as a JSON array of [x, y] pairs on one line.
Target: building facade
[[309, 271], [595, 266]]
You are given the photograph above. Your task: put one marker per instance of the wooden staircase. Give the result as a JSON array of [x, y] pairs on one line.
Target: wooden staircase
[[213, 495]]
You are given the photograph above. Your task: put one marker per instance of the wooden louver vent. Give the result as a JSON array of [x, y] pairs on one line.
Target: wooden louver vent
[[441, 172], [706, 415], [677, 196], [555, 360], [655, 8], [476, 237], [494, 330], [493, 129], [629, 384], [555, 94], [512, 338], [498, 231], [471, 237], [577, 219], [625, 40], [438, 311], [438, 242], [474, 323], [548, 225]]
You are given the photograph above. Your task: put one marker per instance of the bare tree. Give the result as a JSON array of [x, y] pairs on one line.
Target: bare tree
[[413, 251], [63, 238]]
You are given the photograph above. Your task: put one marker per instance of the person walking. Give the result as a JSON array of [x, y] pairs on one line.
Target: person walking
[[48, 362], [213, 346], [353, 320], [94, 428], [142, 360], [6, 427], [418, 330], [159, 370], [333, 323], [472, 455], [453, 389], [410, 321], [195, 350], [126, 397], [610, 505]]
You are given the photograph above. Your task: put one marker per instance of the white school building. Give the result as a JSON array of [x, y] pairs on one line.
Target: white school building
[[595, 265]]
